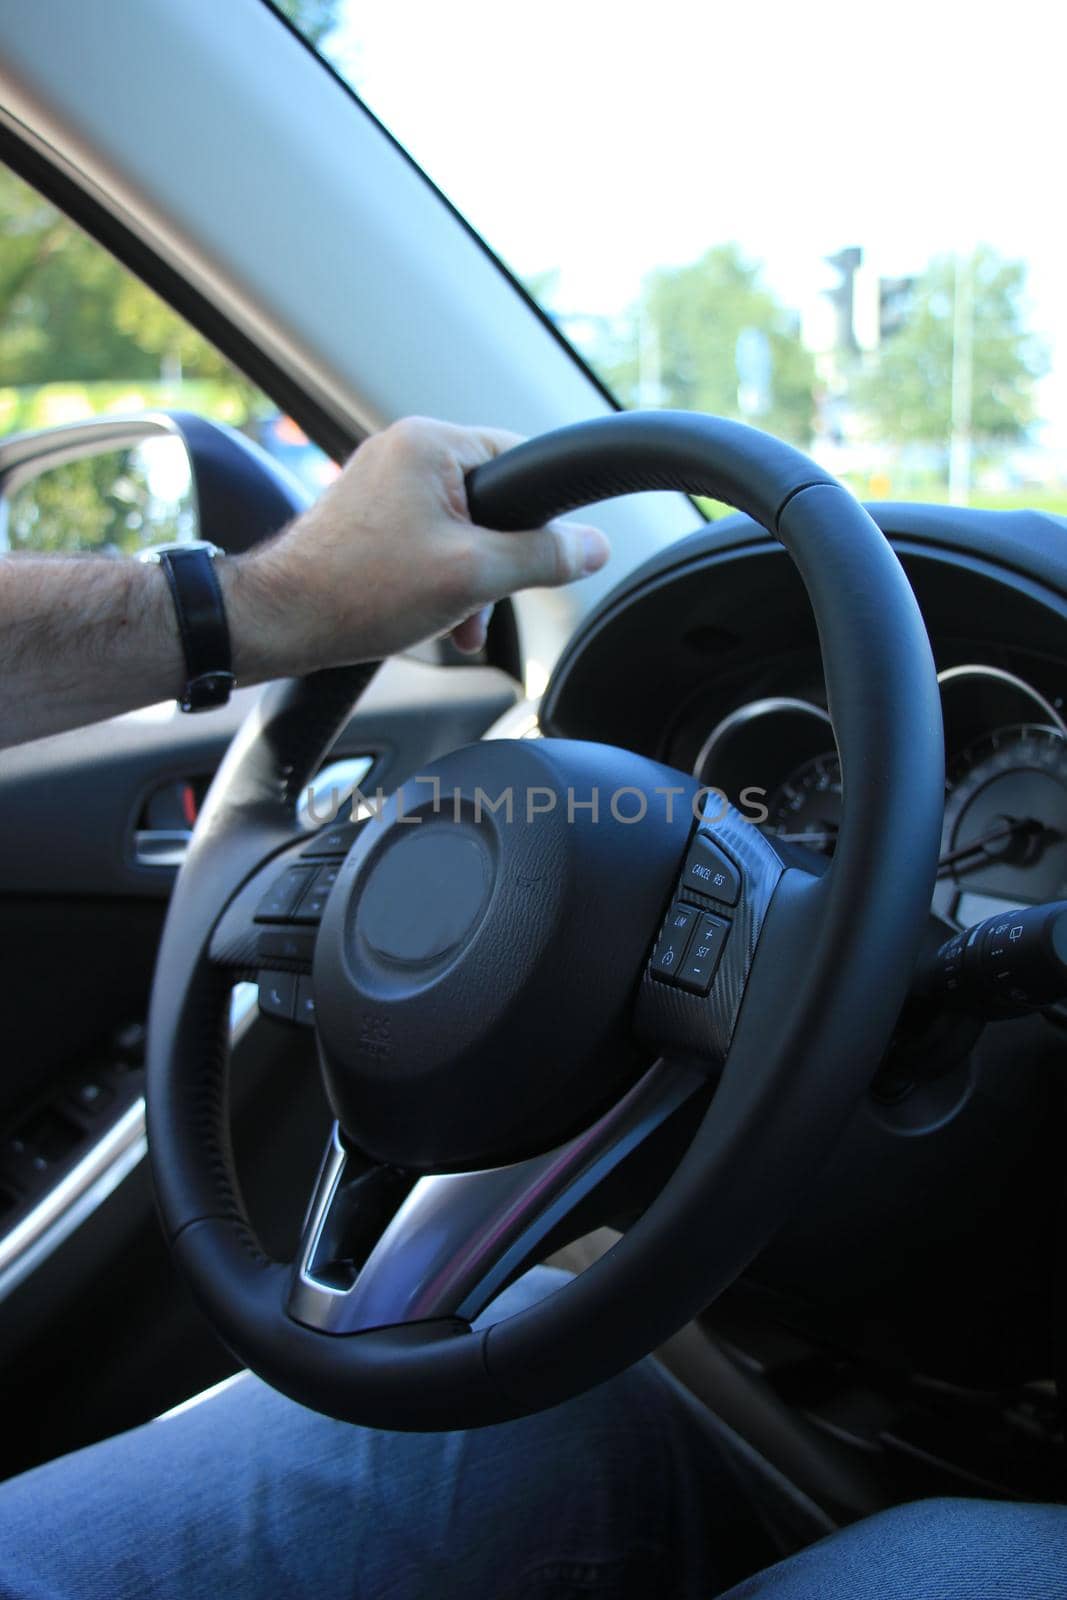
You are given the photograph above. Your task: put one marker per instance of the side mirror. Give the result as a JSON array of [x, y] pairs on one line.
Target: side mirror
[[116, 484]]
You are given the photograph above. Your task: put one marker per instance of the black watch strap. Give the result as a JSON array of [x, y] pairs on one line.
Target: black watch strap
[[205, 635]]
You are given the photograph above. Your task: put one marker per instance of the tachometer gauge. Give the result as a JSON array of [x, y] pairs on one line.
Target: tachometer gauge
[[806, 808], [746, 754], [1005, 834]]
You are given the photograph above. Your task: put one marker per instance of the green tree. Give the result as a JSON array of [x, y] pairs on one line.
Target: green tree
[[69, 313], [907, 390], [683, 340], [101, 502], [176, 349], [57, 298]]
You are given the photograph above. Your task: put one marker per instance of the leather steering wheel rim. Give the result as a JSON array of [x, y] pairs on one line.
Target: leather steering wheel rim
[[837, 955]]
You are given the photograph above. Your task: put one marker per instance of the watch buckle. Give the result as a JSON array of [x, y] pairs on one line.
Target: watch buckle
[[209, 690]]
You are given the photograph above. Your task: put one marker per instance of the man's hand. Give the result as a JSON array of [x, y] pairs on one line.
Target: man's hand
[[389, 556]]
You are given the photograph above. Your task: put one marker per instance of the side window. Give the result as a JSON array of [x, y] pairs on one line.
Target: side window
[[80, 336]]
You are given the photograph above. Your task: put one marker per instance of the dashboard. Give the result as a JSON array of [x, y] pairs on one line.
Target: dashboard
[[708, 660]]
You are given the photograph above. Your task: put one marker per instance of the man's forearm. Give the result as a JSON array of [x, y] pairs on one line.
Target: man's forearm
[[386, 557], [83, 638]]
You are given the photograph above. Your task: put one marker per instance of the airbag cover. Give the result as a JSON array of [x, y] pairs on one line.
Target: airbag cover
[[478, 957]]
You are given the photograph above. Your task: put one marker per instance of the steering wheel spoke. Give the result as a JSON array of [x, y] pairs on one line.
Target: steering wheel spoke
[[381, 1248], [693, 985], [269, 929]]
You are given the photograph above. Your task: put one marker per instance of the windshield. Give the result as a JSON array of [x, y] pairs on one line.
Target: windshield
[[842, 225]]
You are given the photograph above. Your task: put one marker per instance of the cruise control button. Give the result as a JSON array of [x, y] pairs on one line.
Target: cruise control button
[[313, 901], [280, 899], [710, 870], [668, 955], [277, 994], [702, 957]]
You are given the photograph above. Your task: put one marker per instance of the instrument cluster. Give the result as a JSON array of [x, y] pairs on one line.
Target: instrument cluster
[[1005, 833]]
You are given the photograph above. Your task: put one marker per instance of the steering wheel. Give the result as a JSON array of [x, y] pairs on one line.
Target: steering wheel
[[607, 995]]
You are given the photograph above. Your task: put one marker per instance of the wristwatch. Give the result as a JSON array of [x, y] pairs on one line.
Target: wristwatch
[[198, 604]]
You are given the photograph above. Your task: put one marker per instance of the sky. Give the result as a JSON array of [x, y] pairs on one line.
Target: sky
[[607, 139]]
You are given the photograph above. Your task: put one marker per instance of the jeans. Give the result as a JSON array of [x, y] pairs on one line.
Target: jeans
[[620, 1493], [932, 1550]]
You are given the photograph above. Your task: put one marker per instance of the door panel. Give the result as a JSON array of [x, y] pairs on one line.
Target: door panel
[[96, 1332], [79, 925]]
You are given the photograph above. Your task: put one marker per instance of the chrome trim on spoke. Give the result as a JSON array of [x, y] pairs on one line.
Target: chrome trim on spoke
[[81, 1191], [327, 1184], [244, 1003], [458, 1238]]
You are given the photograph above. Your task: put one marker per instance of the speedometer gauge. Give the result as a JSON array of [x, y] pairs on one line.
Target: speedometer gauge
[[1005, 834]]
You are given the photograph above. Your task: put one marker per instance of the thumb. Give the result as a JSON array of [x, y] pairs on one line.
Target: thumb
[[542, 557]]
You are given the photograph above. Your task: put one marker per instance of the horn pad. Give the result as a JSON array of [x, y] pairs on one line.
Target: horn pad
[[479, 952]]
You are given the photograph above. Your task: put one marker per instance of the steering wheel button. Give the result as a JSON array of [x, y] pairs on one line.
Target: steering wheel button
[[92, 1096], [279, 902], [286, 944], [335, 840], [702, 958], [304, 1010], [669, 954], [313, 900], [277, 994], [709, 870]]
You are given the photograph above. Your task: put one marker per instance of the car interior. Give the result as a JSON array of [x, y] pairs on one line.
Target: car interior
[[816, 1171]]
